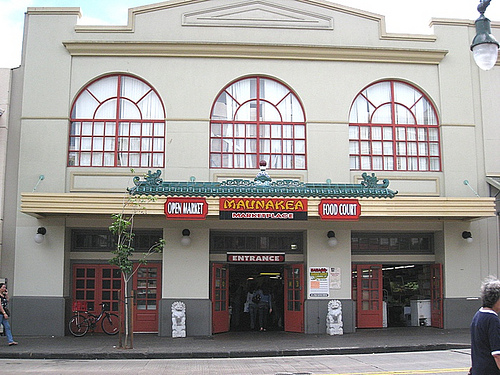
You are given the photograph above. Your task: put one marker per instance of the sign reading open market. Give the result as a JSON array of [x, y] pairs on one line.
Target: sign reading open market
[[339, 209], [186, 208], [263, 209]]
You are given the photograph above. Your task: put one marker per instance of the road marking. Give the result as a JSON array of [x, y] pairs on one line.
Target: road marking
[[409, 372]]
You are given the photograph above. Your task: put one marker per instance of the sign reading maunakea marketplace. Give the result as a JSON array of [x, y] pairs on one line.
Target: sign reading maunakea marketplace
[[186, 208], [256, 257], [263, 208], [339, 209]]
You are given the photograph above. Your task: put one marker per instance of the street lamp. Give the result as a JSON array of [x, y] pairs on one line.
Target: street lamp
[[484, 46]]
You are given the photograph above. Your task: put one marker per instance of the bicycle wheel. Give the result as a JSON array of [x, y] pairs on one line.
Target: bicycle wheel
[[78, 325], [110, 324]]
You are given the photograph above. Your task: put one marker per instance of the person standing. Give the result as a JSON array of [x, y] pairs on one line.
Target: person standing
[[4, 296], [264, 307], [252, 304], [485, 331]]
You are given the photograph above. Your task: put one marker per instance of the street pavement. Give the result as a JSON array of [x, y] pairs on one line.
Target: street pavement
[[237, 344]]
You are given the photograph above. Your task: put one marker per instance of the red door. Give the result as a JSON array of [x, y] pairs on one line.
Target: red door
[[147, 286], [97, 283], [220, 294], [368, 295], [437, 295], [294, 298]]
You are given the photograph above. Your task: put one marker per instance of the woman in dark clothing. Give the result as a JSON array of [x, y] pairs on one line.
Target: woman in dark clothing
[[485, 331]]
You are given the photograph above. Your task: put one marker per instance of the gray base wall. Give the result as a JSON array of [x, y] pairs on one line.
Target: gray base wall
[[38, 316], [458, 312], [315, 316], [198, 317]]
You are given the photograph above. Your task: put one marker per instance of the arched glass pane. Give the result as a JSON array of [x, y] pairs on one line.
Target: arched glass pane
[[118, 141], [107, 110], [85, 107], [393, 105], [378, 94], [268, 116], [382, 115], [403, 115], [104, 88], [269, 112]]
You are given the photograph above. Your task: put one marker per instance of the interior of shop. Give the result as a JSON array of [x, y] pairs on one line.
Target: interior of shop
[[245, 278], [407, 293]]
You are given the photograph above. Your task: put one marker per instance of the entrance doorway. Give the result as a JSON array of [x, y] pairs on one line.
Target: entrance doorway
[[243, 279], [397, 295], [231, 283]]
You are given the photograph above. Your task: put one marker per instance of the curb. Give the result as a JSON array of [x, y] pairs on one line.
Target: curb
[[130, 354]]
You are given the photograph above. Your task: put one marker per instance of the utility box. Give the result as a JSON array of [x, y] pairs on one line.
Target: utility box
[[420, 312]]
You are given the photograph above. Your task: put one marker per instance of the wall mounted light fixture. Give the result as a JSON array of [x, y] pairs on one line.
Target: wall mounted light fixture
[[332, 240], [466, 235], [40, 234], [186, 240]]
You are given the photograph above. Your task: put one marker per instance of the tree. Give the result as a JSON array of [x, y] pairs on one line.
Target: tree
[[122, 227]]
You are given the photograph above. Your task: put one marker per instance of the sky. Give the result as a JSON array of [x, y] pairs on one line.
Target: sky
[[401, 16]]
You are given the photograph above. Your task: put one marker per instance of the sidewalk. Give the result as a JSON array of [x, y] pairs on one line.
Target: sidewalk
[[237, 344]]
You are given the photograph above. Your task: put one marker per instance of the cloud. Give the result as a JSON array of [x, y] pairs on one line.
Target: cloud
[[11, 28]]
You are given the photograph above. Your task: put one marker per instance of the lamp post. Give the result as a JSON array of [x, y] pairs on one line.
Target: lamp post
[[484, 46]]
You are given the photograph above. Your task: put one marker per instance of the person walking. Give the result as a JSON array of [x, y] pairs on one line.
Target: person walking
[[4, 296], [485, 331]]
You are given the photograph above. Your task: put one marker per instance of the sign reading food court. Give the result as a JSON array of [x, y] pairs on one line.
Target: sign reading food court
[[339, 209]]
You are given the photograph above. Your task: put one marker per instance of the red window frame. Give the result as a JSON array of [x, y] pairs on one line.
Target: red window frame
[[114, 136], [419, 159], [217, 156]]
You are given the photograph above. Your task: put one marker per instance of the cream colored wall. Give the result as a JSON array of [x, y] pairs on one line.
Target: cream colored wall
[[40, 268], [319, 254], [188, 87], [4, 127], [186, 268]]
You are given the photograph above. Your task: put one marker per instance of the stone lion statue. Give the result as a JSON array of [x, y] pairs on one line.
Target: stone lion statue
[[334, 324], [178, 319]]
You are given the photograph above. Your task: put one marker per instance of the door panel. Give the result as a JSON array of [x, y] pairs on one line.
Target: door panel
[[147, 286], [437, 295], [294, 298], [220, 294], [97, 283], [368, 294]]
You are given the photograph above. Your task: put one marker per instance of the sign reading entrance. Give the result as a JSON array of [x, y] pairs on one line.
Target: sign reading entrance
[[339, 209], [263, 208], [186, 208], [256, 257]]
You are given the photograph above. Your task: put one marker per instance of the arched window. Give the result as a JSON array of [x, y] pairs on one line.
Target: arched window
[[393, 127], [117, 121], [257, 119]]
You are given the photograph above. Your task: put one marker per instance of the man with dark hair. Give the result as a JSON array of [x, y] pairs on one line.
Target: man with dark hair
[[485, 331]]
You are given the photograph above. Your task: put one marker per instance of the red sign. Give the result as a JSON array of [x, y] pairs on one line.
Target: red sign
[[339, 209], [186, 208], [263, 208], [256, 257]]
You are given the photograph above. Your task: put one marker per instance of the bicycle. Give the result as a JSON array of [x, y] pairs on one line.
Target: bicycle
[[80, 323]]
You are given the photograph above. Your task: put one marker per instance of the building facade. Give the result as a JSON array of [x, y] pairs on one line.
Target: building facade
[[378, 157]]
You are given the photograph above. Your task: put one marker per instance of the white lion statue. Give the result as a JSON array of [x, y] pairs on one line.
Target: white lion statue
[[334, 324], [178, 319]]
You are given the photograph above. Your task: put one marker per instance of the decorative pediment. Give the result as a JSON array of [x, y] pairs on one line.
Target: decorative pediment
[[258, 14]]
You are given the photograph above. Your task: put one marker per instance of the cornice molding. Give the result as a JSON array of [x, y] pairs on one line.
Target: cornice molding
[[255, 51]]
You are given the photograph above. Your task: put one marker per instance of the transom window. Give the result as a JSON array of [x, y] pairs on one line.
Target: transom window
[[393, 127], [117, 121], [257, 119]]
